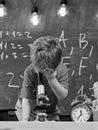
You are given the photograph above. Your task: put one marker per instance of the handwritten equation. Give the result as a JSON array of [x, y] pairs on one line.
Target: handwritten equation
[[15, 34], [14, 48]]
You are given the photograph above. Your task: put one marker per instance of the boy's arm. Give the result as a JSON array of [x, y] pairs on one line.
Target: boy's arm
[[26, 109], [58, 89]]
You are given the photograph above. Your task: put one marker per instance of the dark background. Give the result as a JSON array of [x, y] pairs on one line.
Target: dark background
[[78, 34]]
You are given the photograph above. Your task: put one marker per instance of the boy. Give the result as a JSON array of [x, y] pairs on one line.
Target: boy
[[45, 55]]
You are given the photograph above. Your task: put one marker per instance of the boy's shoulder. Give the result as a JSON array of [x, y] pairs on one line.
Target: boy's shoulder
[[29, 69]]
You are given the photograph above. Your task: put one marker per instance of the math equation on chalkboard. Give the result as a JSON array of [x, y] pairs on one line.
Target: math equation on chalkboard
[[16, 47]]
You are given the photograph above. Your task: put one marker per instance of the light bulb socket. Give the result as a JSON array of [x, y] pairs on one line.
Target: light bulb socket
[[63, 2], [2, 2], [34, 9]]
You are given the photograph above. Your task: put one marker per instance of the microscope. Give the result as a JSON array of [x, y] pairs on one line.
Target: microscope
[[42, 103]]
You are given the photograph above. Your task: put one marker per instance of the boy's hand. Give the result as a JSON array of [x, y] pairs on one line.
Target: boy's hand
[[50, 74]]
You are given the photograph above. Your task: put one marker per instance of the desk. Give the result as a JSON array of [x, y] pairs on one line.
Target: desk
[[48, 126]]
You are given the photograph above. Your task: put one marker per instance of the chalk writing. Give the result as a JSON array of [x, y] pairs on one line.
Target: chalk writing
[[16, 50], [14, 55], [1, 32], [90, 54], [19, 34], [28, 34], [97, 66], [83, 46], [3, 45], [71, 51], [13, 46], [25, 54], [81, 66], [82, 52], [7, 33], [21, 76], [82, 40], [15, 34], [81, 90], [80, 96], [20, 46], [11, 80], [90, 76], [62, 39], [73, 72]]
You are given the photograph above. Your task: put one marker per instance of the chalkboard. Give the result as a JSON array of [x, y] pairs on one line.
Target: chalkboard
[[80, 55]]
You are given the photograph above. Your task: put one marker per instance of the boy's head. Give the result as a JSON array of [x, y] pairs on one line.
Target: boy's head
[[46, 53]]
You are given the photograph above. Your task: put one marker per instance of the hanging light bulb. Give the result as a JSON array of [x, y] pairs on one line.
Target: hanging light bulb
[[35, 18], [63, 9], [3, 10]]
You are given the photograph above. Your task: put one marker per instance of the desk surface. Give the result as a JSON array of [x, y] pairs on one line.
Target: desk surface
[[48, 126]]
